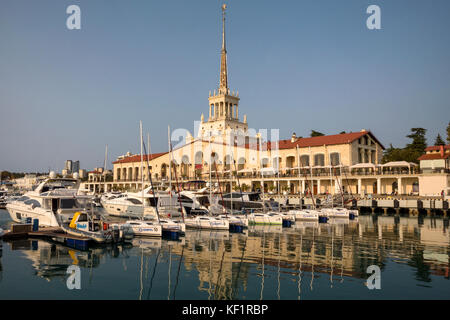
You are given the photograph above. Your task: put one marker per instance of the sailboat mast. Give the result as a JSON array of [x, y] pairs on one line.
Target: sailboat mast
[[210, 177], [170, 164], [331, 183], [231, 182], [149, 174], [311, 188], [178, 186], [262, 174], [299, 176], [142, 168]]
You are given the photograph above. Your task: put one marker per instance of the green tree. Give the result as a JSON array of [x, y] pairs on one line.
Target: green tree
[[411, 152], [394, 154], [315, 133], [439, 141], [419, 142], [448, 133]]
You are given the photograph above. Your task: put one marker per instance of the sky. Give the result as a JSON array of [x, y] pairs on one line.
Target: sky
[[298, 66]]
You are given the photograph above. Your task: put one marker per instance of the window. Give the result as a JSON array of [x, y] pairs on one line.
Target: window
[[134, 201], [68, 204], [33, 202], [319, 160], [304, 161], [335, 158]]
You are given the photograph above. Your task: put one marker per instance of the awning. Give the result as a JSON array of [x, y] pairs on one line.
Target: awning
[[268, 170], [246, 170], [363, 165], [399, 164]]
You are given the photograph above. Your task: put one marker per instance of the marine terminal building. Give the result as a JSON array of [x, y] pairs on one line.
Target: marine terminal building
[[225, 149]]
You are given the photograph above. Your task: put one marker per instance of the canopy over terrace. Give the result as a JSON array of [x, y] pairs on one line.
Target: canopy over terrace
[[399, 164], [364, 166]]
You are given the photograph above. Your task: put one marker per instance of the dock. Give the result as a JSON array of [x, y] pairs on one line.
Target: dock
[[55, 234]]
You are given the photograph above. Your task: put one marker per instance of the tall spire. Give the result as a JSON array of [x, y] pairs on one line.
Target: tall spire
[[223, 86]]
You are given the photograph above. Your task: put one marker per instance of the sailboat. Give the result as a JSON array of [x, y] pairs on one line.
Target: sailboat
[[142, 227], [305, 214], [271, 218], [338, 212], [204, 221]]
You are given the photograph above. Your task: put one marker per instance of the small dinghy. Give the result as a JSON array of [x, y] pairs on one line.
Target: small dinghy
[[264, 218], [336, 212], [145, 228], [206, 222], [309, 215]]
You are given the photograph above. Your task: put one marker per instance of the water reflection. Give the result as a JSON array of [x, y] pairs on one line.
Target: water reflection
[[265, 262]]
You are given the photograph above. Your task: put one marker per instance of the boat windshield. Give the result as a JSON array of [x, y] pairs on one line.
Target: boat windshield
[[134, 201], [71, 204], [254, 197]]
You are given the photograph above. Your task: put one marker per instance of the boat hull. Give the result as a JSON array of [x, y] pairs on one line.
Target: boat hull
[[46, 217]]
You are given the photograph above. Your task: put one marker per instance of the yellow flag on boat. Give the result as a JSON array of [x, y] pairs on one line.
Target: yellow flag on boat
[[73, 223]]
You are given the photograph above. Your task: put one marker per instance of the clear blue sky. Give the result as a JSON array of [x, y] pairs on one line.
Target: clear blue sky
[[298, 65]]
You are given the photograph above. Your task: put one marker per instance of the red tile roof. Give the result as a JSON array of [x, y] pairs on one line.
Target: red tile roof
[[437, 148], [433, 156], [343, 138], [137, 158]]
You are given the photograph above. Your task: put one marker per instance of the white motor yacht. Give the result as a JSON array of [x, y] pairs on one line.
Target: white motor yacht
[[53, 202], [138, 204]]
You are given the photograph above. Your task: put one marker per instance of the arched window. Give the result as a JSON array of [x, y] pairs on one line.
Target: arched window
[[276, 161], [335, 158], [214, 158], [319, 160], [304, 161], [241, 163]]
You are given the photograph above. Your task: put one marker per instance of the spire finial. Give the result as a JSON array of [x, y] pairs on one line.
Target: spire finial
[[224, 7], [223, 86]]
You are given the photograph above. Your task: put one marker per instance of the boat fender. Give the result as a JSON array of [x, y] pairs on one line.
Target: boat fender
[[105, 226]]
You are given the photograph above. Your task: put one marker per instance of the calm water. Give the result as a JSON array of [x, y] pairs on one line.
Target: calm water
[[308, 261]]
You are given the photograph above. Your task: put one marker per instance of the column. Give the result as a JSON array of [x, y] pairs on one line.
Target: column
[[378, 185], [359, 187], [210, 110], [399, 184], [303, 186], [318, 186]]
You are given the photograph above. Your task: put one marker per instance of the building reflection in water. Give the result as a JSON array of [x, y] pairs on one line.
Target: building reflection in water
[[227, 265]]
